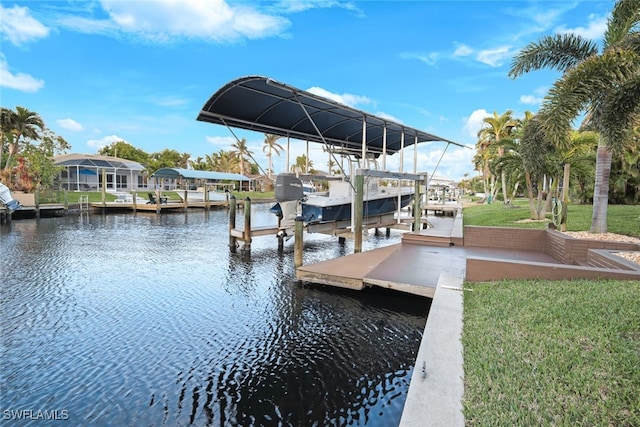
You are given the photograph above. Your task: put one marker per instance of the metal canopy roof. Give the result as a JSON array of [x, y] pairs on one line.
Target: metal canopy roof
[[264, 105], [197, 174]]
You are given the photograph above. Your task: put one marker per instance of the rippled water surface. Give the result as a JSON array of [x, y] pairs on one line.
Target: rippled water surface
[[149, 319]]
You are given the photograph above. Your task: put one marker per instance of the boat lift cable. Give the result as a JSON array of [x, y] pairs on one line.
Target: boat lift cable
[[247, 153], [438, 164], [324, 141]]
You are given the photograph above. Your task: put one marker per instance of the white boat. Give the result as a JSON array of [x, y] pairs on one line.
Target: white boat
[[379, 198], [198, 196], [7, 200]]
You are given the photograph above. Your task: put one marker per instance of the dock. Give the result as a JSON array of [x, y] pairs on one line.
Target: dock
[[412, 266], [446, 209], [155, 207]]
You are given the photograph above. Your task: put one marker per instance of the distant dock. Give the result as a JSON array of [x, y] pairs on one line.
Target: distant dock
[[156, 207]]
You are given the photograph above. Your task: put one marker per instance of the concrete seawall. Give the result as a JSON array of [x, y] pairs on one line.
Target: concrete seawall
[[437, 384]]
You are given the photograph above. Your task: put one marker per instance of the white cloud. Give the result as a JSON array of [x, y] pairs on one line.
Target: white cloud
[[345, 99], [19, 26], [536, 98], [473, 123], [292, 6], [103, 142], [495, 57], [389, 117], [19, 81], [166, 20], [530, 100], [428, 58], [462, 50], [69, 124], [224, 142], [594, 30]]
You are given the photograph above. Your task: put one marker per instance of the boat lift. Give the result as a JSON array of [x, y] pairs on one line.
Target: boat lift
[[264, 105]]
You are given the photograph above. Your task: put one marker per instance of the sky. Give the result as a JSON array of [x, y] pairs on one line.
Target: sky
[[140, 71]]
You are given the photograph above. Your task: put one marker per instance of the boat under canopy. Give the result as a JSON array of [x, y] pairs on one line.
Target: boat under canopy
[[264, 105]]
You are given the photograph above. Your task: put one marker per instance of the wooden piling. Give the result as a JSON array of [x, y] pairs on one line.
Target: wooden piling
[[104, 191], [247, 225], [298, 244], [232, 222], [358, 211], [37, 200], [417, 212]]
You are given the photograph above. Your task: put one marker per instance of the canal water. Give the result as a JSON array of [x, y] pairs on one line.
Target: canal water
[[144, 319]]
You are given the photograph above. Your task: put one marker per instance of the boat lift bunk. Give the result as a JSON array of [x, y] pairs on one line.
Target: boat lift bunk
[[264, 105]]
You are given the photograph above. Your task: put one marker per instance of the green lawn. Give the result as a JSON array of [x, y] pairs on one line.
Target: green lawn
[[552, 353], [621, 219]]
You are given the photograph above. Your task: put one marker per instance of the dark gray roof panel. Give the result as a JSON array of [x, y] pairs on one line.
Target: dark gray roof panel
[[96, 161], [263, 105]]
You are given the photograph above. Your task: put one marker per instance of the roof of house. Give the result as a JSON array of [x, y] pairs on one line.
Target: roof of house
[[198, 174], [95, 161]]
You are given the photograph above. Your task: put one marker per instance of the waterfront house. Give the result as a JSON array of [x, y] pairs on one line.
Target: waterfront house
[[84, 172]]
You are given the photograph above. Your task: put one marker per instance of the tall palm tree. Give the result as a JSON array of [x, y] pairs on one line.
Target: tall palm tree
[[241, 151], [605, 85], [271, 146], [18, 126], [494, 129]]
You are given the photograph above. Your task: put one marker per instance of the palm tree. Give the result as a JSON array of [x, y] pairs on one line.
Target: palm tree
[[301, 164], [270, 146], [16, 125], [494, 129], [241, 151], [604, 84], [222, 161], [198, 164]]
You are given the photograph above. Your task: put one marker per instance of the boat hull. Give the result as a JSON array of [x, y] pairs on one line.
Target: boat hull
[[313, 213]]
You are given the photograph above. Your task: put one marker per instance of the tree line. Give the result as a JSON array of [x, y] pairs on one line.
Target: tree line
[[27, 149], [604, 86]]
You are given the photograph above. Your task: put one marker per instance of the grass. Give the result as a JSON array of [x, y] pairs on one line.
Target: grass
[[255, 195], [552, 353], [621, 219]]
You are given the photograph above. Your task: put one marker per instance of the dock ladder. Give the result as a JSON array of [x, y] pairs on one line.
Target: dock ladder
[[83, 202]]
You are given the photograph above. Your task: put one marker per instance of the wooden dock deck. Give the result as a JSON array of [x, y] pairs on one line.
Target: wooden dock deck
[[150, 207], [405, 267]]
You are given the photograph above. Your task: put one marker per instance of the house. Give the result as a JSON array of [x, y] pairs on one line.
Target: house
[[84, 172]]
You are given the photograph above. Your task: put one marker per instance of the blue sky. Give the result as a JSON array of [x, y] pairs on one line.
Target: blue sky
[[140, 71]]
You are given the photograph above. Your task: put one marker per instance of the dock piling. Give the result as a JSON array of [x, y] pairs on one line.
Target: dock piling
[[358, 211], [298, 244], [232, 223], [246, 247]]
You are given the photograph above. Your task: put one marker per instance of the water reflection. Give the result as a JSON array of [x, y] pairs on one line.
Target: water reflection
[[149, 319]]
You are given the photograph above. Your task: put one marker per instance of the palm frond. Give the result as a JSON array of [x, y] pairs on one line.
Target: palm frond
[[624, 20], [621, 112], [559, 52], [585, 86]]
